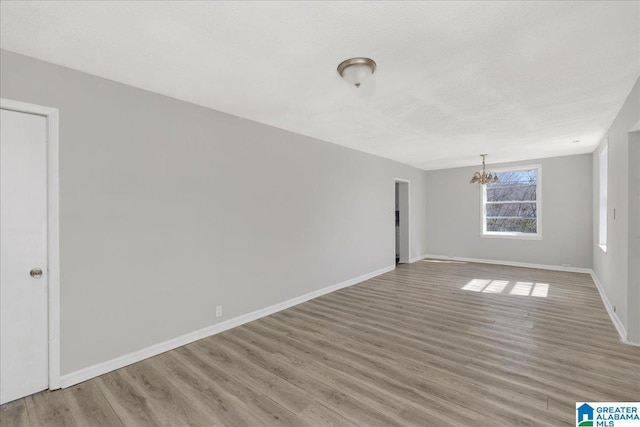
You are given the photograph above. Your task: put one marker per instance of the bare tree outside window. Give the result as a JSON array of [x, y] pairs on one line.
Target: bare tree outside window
[[510, 205]]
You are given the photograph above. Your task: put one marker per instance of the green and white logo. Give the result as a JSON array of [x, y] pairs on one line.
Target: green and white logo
[[607, 414]]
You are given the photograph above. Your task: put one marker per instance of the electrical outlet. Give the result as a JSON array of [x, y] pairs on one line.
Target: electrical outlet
[[218, 311]]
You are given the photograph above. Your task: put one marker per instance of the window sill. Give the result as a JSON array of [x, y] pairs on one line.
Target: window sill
[[512, 236], [604, 248]]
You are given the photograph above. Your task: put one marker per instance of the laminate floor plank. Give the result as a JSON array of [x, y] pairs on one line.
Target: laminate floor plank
[[257, 404], [430, 343], [49, 409], [412, 361], [14, 414], [283, 392], [434, 331], [614, 372], [360, 389], [129, 402], [166, 400], [346, 405], [390, 396], [320, 416], [387, 372], [89, 406], [223, 408]]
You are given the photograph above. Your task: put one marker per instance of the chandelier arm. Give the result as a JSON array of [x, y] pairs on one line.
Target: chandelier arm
[[486, 177]]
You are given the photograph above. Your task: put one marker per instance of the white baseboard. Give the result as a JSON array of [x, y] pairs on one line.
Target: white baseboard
[[622, 331], [509, 263], [85, 374]]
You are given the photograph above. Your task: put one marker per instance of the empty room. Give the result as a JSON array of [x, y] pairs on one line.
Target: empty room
[[320, 213]]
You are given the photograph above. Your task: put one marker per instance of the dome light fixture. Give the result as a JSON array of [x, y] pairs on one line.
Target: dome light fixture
[[485, 177], [356, 70]]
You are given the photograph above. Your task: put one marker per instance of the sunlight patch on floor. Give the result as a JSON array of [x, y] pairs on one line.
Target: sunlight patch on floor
[[540, 290], [496, 286], [476, 285], [487, 286], [521, 288]]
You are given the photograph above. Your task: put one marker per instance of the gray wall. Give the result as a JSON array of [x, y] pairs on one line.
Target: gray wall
[[169, 209], [454, 213], [611, 267]]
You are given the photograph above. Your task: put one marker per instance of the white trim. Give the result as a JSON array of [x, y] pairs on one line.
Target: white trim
[[418, 258], [127, 359], [510, 263], [408, 182], [607, 304], [622, 331], [53, 227], [538, 201]]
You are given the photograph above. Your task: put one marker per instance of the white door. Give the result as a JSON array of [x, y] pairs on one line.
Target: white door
[[23, 252]]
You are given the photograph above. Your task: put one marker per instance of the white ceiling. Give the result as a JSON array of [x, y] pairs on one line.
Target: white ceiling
[[517, 80]]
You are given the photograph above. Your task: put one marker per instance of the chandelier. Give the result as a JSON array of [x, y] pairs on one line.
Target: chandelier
[[484, 177]]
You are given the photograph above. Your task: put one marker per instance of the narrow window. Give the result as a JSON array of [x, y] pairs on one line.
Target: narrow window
[[604, 171], [512, 207]]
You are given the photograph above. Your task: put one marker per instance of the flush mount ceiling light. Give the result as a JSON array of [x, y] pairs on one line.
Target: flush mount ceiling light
[[356, 70], [485, 177]]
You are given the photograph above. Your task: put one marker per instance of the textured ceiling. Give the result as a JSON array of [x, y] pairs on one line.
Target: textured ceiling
[[517, 80]]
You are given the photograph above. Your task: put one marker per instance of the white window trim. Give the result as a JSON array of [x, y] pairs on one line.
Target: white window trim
[[514, 235]]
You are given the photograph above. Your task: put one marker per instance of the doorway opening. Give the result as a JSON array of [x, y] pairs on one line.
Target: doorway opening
[[402, 220]]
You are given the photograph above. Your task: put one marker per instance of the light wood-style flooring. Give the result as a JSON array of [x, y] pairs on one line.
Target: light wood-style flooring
[[429, 344]]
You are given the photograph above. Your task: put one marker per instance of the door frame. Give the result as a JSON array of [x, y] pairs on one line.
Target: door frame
[[53, 228], [408, 243]]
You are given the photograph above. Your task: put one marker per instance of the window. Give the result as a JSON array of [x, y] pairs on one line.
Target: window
[[604, 171], [511, 207]]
